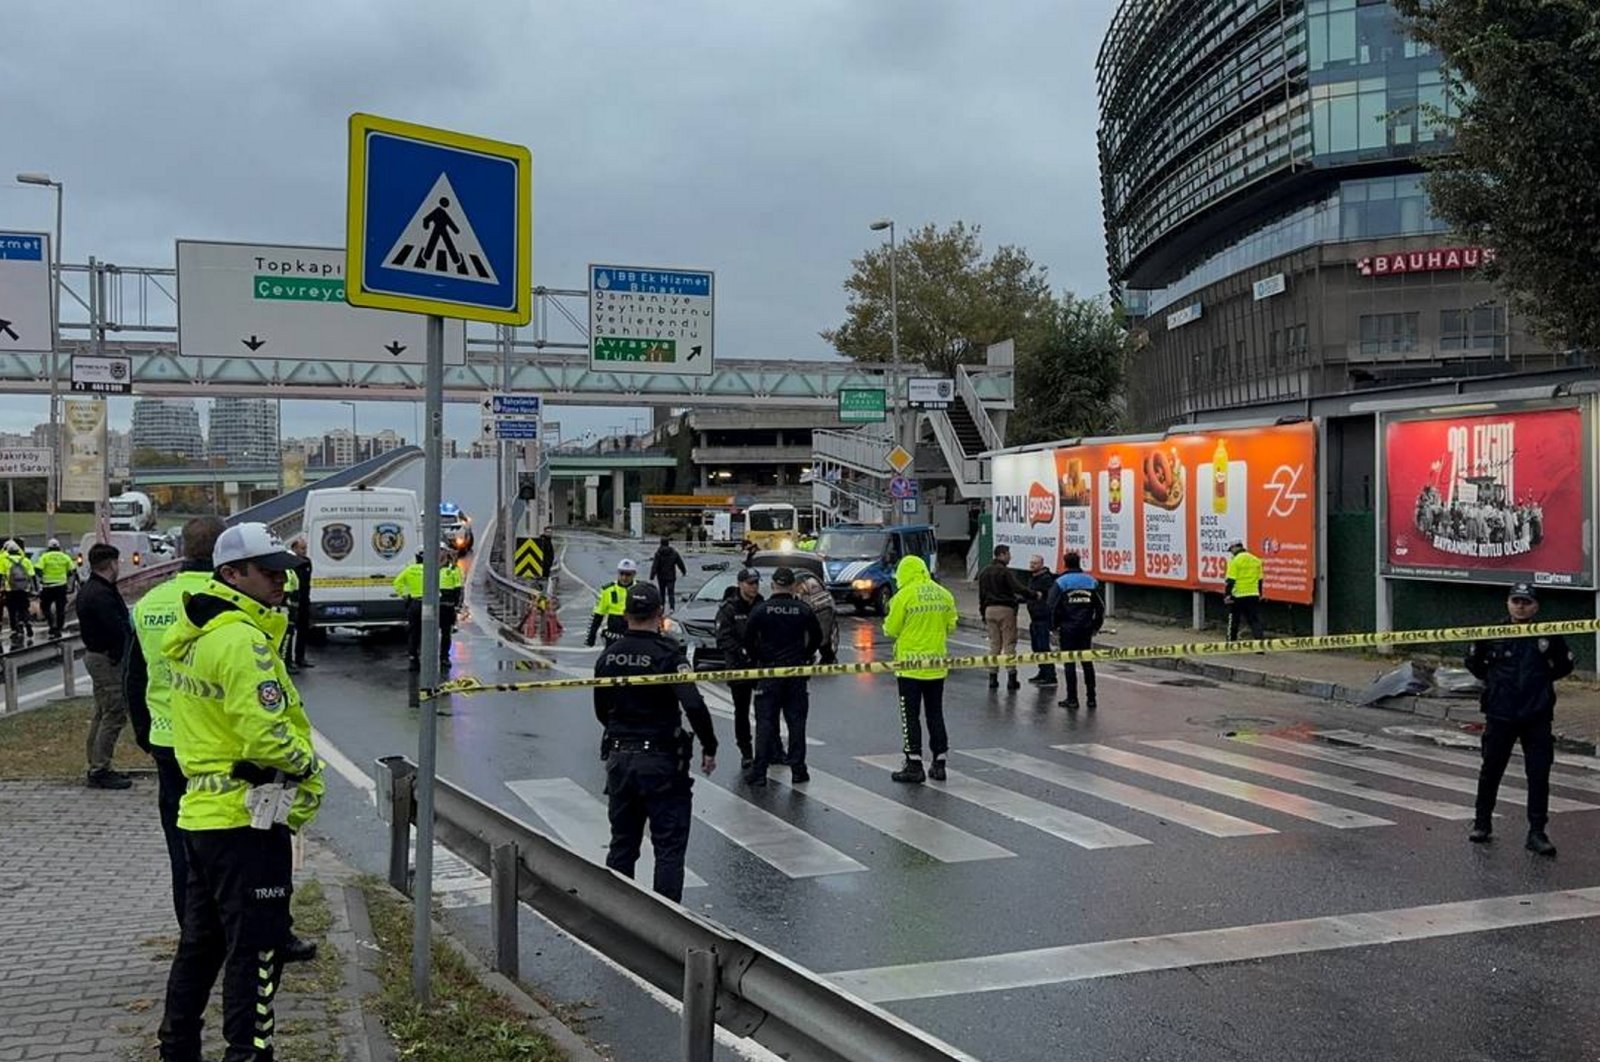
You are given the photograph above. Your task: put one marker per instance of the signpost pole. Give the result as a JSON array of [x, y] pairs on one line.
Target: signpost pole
[[505, 476], [97, 324], [427, 738]]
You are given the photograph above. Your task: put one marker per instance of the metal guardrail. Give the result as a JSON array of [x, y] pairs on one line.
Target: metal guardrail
[[66, 650], [723, 978], [278, 513]]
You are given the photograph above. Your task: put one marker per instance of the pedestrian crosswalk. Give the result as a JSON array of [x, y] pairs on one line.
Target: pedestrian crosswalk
[[1093, 798]]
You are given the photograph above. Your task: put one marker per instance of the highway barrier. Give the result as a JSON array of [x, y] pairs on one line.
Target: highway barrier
[[722, 978], [469, 684]]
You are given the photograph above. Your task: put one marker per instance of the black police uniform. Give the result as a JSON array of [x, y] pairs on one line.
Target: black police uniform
[[647, 753], [782, 632], [733, 617], [1518, 704]]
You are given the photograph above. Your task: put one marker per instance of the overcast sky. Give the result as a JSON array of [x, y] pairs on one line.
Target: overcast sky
[[751, 138]]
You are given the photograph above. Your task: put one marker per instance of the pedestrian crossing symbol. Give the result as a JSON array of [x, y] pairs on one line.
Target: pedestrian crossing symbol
[[440, 239], [439, 223]]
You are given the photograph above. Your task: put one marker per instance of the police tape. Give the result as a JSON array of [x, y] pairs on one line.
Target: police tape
[[469, 684]]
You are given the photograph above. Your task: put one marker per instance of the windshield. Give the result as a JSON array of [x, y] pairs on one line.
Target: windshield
[[855, 544], [122, 508], [771, 519], [717, 585]]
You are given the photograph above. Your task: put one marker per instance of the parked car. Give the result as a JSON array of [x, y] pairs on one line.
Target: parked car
[[695, 618], [860, 560]]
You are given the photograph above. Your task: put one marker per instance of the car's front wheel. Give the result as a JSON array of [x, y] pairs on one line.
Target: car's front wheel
[[880, 599]]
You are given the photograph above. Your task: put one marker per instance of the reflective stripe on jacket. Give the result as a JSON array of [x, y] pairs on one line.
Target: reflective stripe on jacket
[[921, 616], [157, 613]]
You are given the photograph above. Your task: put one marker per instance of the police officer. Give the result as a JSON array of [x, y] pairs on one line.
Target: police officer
[[733, 617], [243, 741], [921, 616], [449, 600], [1078, 610], [408, 585], [1242, 592], [149, 684], [16, 571], [782, 632], [55, 571], [611, 602], [291, 610], [1518, 703], [646, 751]]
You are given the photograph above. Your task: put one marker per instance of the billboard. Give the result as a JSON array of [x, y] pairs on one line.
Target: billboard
[[1498, 497], [1162, 512], [83, 475]]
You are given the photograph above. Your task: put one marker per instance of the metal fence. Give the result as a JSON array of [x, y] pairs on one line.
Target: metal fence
[[723, 978]]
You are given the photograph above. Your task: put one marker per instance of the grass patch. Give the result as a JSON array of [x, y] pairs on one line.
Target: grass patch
[[466, 1023], [47, 743], [69, 526]]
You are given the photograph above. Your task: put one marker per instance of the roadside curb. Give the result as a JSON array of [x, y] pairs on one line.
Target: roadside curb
[[352, 935]]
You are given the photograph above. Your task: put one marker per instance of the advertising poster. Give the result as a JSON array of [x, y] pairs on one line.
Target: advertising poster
[[83, 467], [1164, 508], [294, 469], [1491, 497], [1024, 507], [1075, 503], [1116, 526], [1256, 486]]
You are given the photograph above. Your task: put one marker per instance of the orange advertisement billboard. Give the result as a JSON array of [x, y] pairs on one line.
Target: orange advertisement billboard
[[1163, 512]]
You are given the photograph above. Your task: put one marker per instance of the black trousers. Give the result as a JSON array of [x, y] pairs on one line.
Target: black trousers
[[790, 699], [170, 784], [669, 592], [1070, 640], [919, 696], [1245, 612], [17, 610], [53, 603], [1039, 642], [649, 787], [1500, 736], [235, 920], [447, 627], [301, 617], [742, 692]]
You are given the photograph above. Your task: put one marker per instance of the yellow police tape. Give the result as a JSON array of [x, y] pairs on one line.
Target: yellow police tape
[[471, 684]]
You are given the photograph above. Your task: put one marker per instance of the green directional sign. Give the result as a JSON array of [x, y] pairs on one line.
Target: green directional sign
[[863, 405]]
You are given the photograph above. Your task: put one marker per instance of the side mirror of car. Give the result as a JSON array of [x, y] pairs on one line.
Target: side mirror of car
[[715, 566]]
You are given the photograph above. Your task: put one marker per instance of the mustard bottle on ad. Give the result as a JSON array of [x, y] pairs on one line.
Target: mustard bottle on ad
[[1219, 473]]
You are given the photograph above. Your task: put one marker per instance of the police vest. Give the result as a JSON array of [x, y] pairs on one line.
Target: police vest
[[157, 613]]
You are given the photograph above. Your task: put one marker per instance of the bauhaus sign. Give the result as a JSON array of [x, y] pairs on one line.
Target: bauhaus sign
[[1425, 261]]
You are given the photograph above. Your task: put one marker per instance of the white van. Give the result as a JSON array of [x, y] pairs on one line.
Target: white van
[[359, 539]]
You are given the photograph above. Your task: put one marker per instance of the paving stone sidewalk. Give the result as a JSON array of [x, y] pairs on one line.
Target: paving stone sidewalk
[[87, 932]]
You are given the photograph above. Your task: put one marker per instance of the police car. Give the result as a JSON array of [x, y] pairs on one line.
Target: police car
[[455, 528]]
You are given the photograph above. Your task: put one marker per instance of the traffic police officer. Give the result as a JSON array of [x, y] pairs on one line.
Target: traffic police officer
[[782, 631], [55, 571], [243, 741], [408, 584], [610, 603], [1242, 592], [149, 684], [646, 751], [16, 570], [1078, 611], [922, 614]]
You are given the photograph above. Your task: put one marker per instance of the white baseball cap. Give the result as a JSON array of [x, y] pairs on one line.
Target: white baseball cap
[[627, 565], [253, 543]]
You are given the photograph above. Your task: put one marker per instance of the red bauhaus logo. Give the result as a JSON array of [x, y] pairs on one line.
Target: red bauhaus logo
[[1425, 261]]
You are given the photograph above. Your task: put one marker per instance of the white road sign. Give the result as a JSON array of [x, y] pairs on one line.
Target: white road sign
[[644, 319], [24, 463], [272, 302], [102, 376], [27, 324]]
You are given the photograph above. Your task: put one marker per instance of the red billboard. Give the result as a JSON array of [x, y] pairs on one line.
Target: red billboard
[[1490, 497]]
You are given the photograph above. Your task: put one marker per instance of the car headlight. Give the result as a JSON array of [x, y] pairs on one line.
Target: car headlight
[[786, 544], [861, 584]]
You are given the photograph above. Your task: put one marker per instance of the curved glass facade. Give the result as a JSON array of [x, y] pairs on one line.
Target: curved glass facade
[[1207, 104]]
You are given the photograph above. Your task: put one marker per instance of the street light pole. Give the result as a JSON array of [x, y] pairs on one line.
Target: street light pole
[[894, 339], [355, 440], [51, 483]]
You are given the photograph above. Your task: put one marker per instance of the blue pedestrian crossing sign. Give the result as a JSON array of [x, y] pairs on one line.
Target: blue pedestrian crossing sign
[[439, 223]]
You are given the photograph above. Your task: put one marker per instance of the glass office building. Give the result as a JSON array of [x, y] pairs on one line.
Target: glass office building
[[1266, 222]]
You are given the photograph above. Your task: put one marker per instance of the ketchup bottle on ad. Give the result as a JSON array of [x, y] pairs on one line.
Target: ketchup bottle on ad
[[1114, 473]]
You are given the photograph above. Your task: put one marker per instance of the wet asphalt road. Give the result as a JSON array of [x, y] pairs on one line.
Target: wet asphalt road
[[994, 885]]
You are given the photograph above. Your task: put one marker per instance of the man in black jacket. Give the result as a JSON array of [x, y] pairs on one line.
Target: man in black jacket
[[782, 632], [1518, 703], [1000, 590], [665, 568], [106, 628], [733, 617], [1040, 581], [647, 753]]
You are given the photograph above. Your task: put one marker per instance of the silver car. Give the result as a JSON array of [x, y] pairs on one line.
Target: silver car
[[696, 615]]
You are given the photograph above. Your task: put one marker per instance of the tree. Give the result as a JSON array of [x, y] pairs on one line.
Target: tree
[[954, 301], [1523, 176], [1069, 382]]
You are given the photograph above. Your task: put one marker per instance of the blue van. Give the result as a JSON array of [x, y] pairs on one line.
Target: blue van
[[860, 560]]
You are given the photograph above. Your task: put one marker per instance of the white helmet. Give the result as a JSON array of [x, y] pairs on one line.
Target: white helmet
[[626, 565], [54, 543], [12, 547]]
